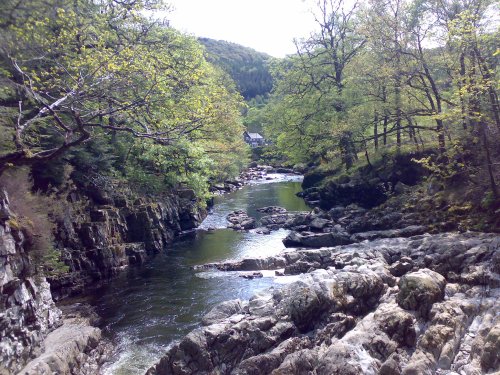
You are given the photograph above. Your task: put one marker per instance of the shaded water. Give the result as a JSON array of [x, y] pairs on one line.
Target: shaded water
[[147, 308]]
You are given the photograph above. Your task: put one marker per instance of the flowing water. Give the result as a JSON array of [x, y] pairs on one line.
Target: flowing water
[[146, 308]]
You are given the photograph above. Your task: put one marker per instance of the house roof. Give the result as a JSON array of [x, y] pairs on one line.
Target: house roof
[[255, 136]]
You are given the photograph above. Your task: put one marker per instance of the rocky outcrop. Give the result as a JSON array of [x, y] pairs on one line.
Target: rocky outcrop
[[368, 187], [239, 220], [100, 236], [351, 314], [73, 348], [27, 311], [341, 226]]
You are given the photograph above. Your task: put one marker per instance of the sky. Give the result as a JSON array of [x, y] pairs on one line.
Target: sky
[[264, 25]]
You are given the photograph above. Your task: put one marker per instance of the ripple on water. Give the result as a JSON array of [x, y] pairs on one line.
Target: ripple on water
[[145, 309]]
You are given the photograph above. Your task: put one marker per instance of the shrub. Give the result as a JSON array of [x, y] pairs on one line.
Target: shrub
[[35, 215]]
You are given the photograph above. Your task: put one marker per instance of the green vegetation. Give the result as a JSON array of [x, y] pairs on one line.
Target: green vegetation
[[97, 95], [103, 88], [247, 67], [394, 76], [34, 217]]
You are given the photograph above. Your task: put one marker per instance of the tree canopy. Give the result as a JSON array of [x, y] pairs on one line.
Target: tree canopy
[[392, 74], [77, 71]]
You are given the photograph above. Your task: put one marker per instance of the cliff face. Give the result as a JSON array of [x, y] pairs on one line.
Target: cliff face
[[101, 233], [98, 234], [27, 311]]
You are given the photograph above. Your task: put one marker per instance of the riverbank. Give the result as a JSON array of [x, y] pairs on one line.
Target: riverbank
[[391, 290], [425, 304]]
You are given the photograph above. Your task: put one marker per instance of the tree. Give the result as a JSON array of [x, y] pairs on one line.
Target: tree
[[84, 67], [477, 92], [309, 106]]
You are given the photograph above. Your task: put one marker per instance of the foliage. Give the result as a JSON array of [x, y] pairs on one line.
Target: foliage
[[247, 67], [35, 215], [367, 82], [102, 88]]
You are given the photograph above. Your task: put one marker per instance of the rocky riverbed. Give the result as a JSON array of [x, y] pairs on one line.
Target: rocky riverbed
[[427, 304]]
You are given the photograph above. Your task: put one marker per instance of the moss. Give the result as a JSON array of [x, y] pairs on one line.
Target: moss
[[460, 210], [52, 265], [14, 224]]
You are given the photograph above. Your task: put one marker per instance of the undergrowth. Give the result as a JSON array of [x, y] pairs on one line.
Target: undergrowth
[[34, 214]]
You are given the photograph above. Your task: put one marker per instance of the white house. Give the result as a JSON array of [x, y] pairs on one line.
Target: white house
[[253, 139]]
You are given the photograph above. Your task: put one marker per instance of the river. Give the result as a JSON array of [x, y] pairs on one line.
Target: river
[[146, 308]]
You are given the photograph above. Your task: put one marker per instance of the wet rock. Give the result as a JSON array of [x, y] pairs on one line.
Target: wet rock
[[239, 220], [262, 230], [419, 290], [251, 276], [316, 240], [272, 210], [401, 267], [223, 311]]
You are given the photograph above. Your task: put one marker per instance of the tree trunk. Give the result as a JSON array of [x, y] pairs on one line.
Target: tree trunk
[[485, 73], [462, 83], [375, 131], [489, 164], [367, 156], [386, 122], [397, 93]]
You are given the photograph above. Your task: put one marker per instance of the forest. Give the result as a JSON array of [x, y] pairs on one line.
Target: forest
[[102, 93], [383, 77], [247, 67]]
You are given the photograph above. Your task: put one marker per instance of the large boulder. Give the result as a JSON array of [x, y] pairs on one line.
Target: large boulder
[[316, 240], [305, 306], [420, 290]]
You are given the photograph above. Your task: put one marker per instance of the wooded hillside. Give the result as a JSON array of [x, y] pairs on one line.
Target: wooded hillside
[[248, 68]]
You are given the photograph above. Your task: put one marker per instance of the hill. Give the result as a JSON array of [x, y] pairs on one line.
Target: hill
[[248, 68]]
